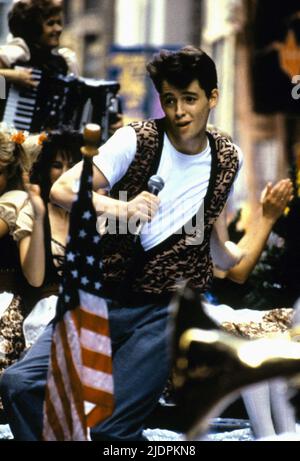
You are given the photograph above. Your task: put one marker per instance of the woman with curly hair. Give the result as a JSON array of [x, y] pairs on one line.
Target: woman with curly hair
[[35, 26], [35, 29], [16, 155]]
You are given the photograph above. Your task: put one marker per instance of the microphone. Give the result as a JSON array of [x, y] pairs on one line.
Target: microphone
[[155, 185]]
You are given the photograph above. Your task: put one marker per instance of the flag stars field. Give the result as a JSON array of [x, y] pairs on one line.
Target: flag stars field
[[70, 257], [90, 260], [87, 215]]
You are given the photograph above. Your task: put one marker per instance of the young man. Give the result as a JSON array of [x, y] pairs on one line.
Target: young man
[[198, 170]]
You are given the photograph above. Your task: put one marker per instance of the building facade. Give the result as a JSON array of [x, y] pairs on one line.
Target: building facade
[[267, 135], [89, 31], [4, 7]]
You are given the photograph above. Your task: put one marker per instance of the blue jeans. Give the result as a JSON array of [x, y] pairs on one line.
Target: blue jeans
[[141, 366]]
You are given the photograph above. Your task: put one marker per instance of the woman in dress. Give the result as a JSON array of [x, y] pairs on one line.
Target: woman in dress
[[17, 152]]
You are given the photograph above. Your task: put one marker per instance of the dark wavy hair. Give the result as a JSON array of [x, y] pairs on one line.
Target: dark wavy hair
[[180, 68], [25, 19], [68, 144]]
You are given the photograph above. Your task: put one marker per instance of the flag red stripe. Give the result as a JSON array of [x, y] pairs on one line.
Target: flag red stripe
[[94, 323], [79, 431], [96, 360], [72, 372], [97, 415], [52, 419], [98, 396], [62, 394]]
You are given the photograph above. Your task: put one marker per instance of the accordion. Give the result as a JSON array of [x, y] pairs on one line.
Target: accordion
[[62, 101]]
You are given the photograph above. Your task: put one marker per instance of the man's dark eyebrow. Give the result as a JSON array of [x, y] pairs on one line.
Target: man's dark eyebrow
[[186, 93], [190, 93]]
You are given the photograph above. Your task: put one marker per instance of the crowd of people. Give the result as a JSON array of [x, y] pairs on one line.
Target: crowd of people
[[199, 167]]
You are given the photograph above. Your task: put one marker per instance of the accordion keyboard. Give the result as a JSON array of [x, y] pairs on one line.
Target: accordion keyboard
[[21, 105]]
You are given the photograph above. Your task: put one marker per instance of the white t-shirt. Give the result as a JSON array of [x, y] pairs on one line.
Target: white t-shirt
[[186, 179]]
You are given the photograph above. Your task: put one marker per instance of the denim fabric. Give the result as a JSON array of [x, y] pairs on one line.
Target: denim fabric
[[141, 366]]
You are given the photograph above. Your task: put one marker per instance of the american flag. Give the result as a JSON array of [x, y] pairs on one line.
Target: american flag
[[79, 391]]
